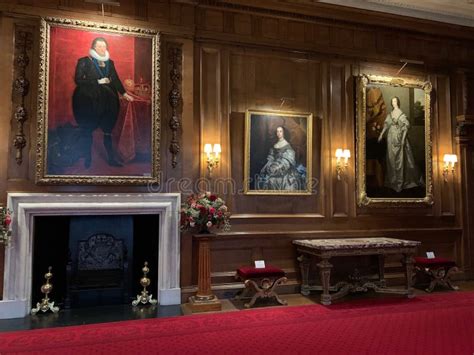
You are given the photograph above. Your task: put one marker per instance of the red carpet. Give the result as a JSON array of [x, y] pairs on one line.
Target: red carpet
[[440, 323]]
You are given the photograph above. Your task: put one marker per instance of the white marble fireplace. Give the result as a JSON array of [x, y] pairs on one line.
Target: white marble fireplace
[[16, 301]]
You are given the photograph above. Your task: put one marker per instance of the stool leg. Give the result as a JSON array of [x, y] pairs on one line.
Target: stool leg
[[243, 293], [265, 290], [272, 293], [447, 278], [258, 292], [432, 285]]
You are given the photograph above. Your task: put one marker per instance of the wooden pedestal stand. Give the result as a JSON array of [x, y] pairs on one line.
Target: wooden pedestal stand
[[204, 301]]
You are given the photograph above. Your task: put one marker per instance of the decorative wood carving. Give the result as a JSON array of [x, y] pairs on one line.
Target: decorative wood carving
[[21, 87], [468, 98], [465, 132], [175, 56]]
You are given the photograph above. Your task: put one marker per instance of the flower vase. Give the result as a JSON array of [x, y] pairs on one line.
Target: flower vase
[[204, 230]]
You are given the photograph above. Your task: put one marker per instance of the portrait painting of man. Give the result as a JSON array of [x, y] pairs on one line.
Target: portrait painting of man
[[395, 163], [101, 117], [278, 153]]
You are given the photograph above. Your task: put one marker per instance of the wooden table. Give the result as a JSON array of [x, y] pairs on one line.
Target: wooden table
[[324, 249]]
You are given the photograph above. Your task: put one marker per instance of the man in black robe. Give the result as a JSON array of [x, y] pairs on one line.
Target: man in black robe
[[95, 101]]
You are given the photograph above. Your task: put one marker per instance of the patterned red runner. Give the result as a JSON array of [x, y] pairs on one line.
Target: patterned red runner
[[440, 323]]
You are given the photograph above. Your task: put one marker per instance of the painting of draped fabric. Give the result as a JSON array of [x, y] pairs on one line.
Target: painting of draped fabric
[[393, 141], [98, 104], [278, 153]]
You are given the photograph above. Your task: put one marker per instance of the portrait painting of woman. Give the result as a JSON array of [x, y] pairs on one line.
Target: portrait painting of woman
[[278, 153], [96, 123], [401, 171], [394, 145]]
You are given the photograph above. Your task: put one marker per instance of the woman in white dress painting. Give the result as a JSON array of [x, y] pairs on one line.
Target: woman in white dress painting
[[281, 172], [401, 171]]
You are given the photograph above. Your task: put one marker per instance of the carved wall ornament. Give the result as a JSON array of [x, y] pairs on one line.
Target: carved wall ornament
[[21, 87], [465, 132], [175, 56]]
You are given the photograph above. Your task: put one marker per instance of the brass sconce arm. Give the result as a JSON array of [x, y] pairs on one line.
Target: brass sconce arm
[[342, 161], [450, 161], [212, 156]]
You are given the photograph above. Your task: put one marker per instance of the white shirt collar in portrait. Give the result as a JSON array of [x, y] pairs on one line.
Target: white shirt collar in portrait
[[280, 144], [99, 57]]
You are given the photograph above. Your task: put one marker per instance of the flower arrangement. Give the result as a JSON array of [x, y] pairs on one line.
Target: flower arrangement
[[204, 211], [5, 221]]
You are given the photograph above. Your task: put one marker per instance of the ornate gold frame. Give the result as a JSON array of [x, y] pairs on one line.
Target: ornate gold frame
[[42, 136], [363, 200], [309, 151]]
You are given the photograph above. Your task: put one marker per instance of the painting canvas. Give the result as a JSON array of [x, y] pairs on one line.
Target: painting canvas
[[277, 153], [98, 104], [394, 141]]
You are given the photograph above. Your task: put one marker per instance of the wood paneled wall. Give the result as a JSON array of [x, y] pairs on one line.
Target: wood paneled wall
[[240, 55]]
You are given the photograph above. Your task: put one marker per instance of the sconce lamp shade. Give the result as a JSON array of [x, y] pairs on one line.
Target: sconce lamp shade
[[207, 148], [450, 158], [346, 153], [217, 148], [339, 153]]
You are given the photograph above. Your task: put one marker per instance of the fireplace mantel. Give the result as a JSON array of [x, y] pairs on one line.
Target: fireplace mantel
[[16, 301]]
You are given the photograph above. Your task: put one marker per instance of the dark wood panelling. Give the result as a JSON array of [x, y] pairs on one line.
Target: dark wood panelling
[[239, 57], [345, 39], [443, 144], [341, 132], [260, 81], [210, 100]]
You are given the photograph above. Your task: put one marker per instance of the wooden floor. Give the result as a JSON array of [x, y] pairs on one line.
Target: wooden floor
[[229, 305]]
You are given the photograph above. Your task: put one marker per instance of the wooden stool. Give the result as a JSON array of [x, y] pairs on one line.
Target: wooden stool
[[437, 270], [263, 280]]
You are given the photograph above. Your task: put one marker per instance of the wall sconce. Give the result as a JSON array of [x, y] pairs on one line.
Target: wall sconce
[[341, 166], [212, 153], [450, 161]]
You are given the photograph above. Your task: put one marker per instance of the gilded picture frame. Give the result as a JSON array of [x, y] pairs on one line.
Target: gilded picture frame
[[394, 149], [98, 114], [278, 153]]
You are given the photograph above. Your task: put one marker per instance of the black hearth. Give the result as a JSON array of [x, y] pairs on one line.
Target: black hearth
[[96, 260]]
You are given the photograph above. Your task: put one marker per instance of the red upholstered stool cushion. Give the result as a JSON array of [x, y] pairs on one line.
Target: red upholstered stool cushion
[[434, 262], [249, 272]]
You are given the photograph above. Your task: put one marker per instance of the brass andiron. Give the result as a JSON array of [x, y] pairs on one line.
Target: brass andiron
[[46, 288], [144, 297]]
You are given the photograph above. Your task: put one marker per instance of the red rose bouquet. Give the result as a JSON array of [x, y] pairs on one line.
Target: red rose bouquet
[[5, 221], [204, 211]]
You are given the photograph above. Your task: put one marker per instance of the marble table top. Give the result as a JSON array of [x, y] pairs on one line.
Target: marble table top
[[355, 243]]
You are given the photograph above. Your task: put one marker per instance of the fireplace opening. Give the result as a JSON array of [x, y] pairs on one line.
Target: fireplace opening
[[96, 260]]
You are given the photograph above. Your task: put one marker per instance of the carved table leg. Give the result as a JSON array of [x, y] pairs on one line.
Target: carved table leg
[[409, 262], [382, 270], [325, 274], [304, 265]]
